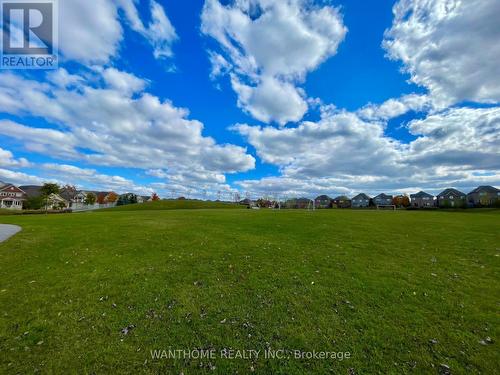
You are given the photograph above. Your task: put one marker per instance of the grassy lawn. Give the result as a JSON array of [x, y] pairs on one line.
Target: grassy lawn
[[403, 292], [178, 205]]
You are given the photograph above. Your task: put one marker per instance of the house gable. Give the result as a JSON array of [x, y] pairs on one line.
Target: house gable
[[11, 189]]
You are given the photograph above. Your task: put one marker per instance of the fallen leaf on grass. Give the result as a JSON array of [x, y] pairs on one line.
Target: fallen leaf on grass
[[126, 330]]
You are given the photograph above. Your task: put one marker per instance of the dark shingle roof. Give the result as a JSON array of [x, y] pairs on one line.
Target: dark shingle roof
[[67, 194], [485, 189], [342, 198], [383, 196], [451, 191], [31, 191], [323, 197], [361, 196], [303, 200], [421, 194]]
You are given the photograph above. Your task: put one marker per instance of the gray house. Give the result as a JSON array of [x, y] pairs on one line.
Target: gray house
[[451, 198], [360, 200], [422, 200], [323, 201], [484, 196], [382, 200]]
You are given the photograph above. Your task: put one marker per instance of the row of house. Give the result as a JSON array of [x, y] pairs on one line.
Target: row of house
[[16, 197], [482, 196]]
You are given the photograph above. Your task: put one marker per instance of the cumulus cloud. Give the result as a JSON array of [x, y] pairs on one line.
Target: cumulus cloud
[[117, 123], [450, 47], [91, 31], [341, 143], [160, 32], [393, 108], [19, 178], [465, 138], [269, 47], [7, 160], [123, 81], [343, 153], [91, 179], [272, 100]]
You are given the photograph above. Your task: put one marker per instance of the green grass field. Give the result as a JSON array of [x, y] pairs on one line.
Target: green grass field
[[403, 292]]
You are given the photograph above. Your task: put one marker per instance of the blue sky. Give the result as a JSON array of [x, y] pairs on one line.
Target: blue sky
[[303, 98]]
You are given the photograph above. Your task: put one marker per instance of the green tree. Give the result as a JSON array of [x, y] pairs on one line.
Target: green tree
[[90, 199], [34, 203], [46, 191], [125, 199]]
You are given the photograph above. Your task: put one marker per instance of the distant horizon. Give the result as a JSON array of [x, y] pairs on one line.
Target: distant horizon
[[285, 98], [264, 196]]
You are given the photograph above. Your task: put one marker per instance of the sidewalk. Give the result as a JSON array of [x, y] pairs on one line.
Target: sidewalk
[[7, 231]]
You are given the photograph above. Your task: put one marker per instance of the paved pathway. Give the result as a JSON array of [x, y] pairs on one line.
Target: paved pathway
[[7, 231]]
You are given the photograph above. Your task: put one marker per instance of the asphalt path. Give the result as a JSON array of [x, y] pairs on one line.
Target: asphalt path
[[7, 231]]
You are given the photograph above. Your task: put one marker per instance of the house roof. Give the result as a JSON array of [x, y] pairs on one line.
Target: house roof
[[342, 198], [102, 194], [32, 191], [68, 194], [451, 191], [299, 200], [2, 184], [323, 197], [383, 196], [11, 188], [361, 196], [56, 197], [485, 189], [303, 200], [421, 194]]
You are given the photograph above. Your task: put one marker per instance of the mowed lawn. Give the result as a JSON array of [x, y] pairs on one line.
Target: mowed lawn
[[403, 292]]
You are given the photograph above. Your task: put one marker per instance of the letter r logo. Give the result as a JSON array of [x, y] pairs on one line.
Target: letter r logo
[[28, 28]]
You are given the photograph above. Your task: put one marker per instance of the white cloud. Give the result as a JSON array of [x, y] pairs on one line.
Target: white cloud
[[395, 107], [450, 47], [464, 138], [271, 46], [122, 81], [19, 178], [160, 33], [7, 160], [118, 123], [342, 153], [91, 31], [272, 100], [90, 179], [341, 143]]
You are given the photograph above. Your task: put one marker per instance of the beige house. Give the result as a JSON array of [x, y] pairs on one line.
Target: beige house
[[56, 202]]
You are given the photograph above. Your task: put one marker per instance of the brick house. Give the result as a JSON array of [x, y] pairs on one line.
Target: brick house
[[484, 196], [451, 198], [422, 200], [342, 202], [323, 201]]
